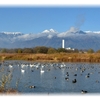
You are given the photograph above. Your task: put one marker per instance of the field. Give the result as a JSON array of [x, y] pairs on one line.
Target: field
[[57, 57]]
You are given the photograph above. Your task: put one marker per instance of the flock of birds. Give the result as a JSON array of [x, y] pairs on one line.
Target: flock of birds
[[42, 66], [27, 65]]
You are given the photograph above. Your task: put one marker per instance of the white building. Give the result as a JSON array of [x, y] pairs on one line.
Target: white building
[[69, 48], [63, 46], [63, 43]]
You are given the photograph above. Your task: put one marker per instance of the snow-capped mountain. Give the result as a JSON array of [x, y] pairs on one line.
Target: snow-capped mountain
[[73, 38]]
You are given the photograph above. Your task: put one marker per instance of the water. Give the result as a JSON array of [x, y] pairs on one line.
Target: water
[[54, 78]]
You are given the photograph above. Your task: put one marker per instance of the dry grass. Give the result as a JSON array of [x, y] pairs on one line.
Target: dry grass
[[57, 57], [5, 81], [9, 92]]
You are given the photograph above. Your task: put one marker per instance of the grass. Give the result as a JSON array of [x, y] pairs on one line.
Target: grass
[[57, 57], [5, 82]]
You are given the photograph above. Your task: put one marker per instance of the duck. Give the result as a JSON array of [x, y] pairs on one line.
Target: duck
[[87, 76], [82, 91], [75, 74], [66, 78], [32, 70], [32, 86], [88, 73], [67, 74], [76, 69], [74, 81], [97, 81], [48, 69]]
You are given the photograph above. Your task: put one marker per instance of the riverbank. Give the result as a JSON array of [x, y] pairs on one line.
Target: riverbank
[[57, 57]]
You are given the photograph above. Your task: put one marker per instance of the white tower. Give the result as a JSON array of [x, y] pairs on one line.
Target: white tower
[[63, 44]]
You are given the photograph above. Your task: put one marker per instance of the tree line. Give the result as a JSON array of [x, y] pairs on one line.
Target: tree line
[[45, 50]]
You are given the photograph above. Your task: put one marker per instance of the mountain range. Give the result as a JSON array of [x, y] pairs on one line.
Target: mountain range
[[73, 37]]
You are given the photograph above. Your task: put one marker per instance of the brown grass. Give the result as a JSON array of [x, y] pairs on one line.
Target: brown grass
[[11, 91], [8, 92], [57, 57]]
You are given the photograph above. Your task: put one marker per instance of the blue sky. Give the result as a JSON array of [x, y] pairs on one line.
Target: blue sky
[[37, 19]]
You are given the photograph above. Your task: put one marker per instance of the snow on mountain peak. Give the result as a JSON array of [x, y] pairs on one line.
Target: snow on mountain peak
[[49, 31], [95, 32], [14, 33], [52, 30], [98, 32], [45, 31]]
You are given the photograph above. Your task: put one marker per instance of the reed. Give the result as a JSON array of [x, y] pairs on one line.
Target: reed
[[61, 57], [5, 83]]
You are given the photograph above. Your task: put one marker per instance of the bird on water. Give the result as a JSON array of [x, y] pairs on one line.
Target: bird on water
[[74, 81], [82, 91]]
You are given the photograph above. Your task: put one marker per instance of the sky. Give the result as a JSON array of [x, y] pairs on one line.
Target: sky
[[35, 19]]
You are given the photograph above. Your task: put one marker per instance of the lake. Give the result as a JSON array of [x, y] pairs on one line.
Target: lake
[[50, 78]]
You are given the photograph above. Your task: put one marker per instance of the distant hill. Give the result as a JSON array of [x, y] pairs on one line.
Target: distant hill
[[51, 38]]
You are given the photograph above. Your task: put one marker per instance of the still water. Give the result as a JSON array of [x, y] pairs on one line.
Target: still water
[[63, 78]]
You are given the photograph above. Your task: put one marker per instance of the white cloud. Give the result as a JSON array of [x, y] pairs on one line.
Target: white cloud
[[49, 36], [12, 32], [72, 29], [69, 32], [48, 33]]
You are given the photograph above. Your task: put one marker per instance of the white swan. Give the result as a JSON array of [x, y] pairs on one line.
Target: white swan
[[42, 71], [42, 66], [36, 66], [31, 65], [10, 66], [22, 70], [62, 66], [23, 65]]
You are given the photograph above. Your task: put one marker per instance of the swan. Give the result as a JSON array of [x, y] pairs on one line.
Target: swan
[[31, 65], [10, 66], [61, 66], [22, 70], [76, 69], [42, 71], [22, 66], [42, 66], [36, 66]]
